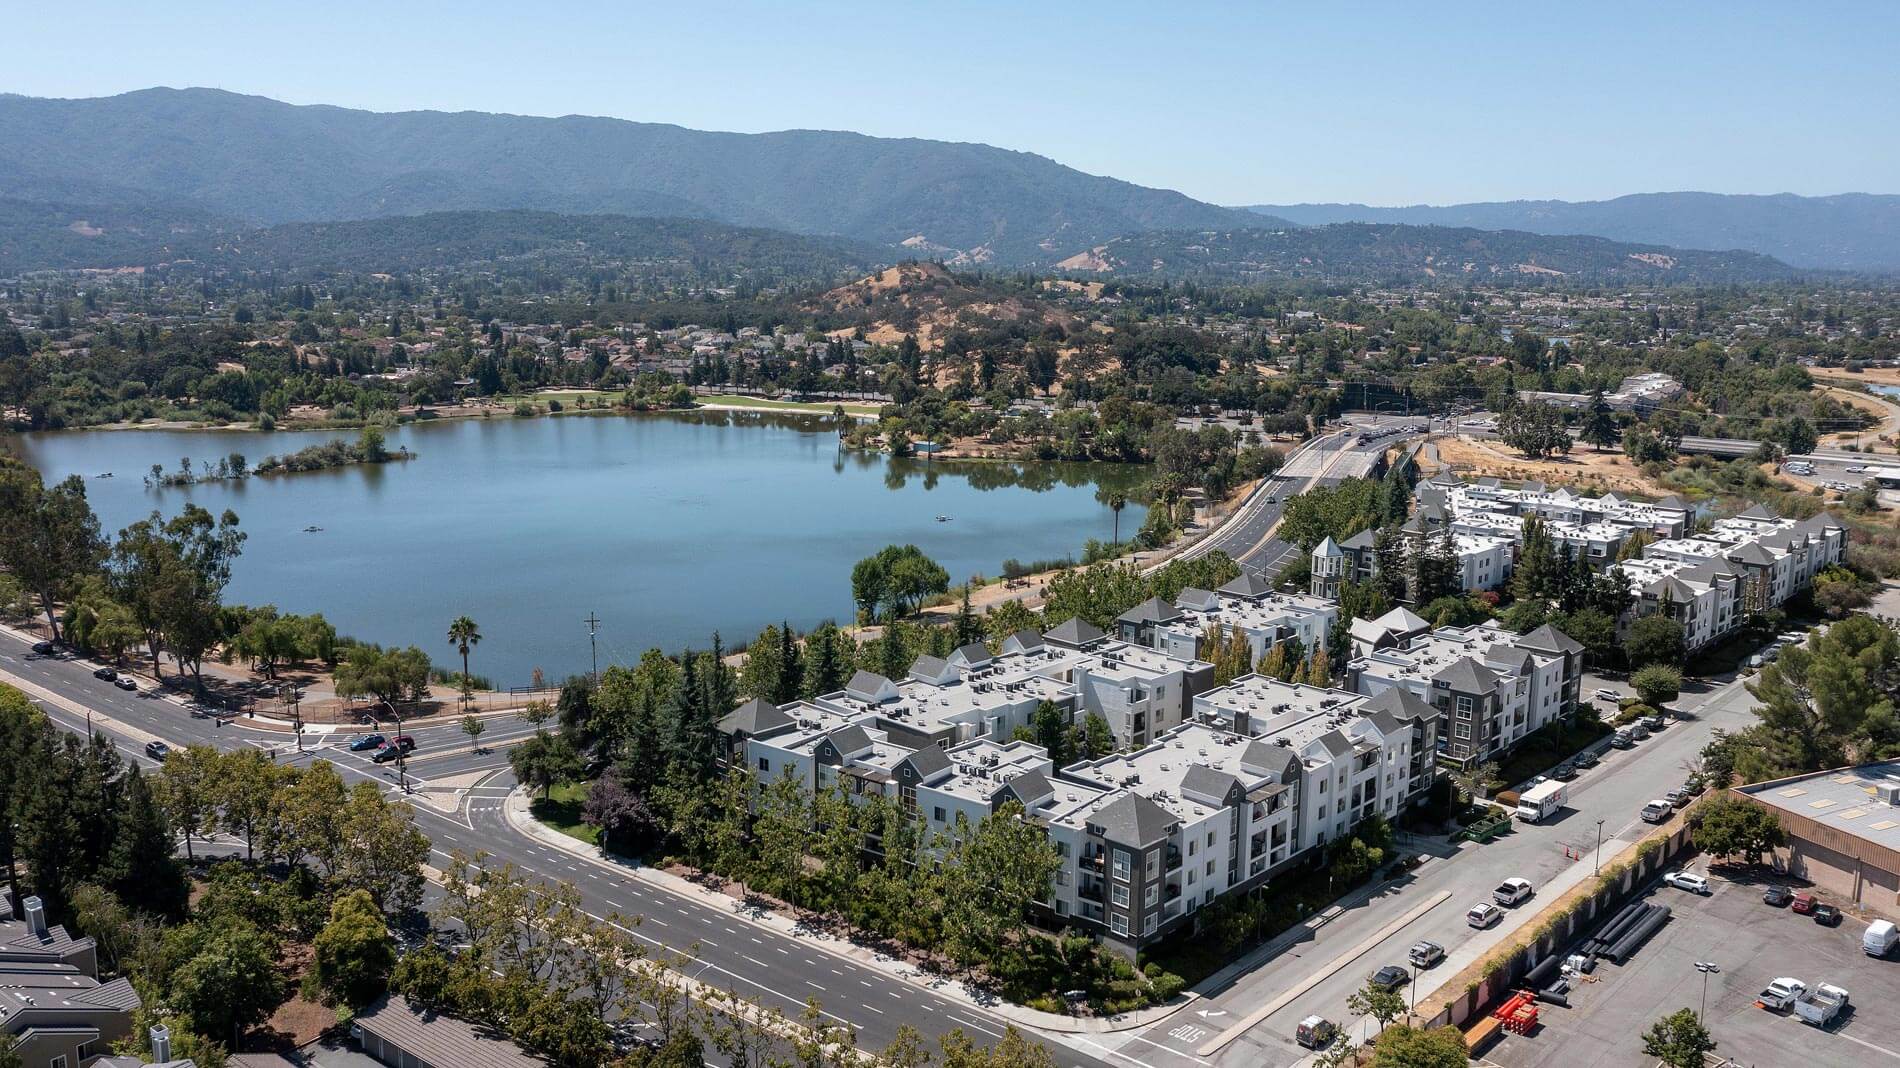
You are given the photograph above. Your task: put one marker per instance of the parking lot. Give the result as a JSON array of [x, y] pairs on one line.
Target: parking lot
[[1752, 943]]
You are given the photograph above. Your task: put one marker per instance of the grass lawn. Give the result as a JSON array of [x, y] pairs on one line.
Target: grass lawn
[[821, 407], [561, 810]]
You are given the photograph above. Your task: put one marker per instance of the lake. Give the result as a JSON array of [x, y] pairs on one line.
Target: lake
[[667, 526]]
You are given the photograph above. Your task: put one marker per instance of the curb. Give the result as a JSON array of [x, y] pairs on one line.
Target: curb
[[515, 811]]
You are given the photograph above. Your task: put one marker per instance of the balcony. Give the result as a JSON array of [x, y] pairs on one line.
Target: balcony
[[1096, 860], [1090, 891], [1172, 892], [1174, 858]]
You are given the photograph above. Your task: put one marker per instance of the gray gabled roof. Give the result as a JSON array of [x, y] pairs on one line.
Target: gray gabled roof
[[866, 684], [1327, 547], [754, 718], [1273, 759], [1548, 639], [929, 760], [437, 1038], [1203, 783], [117, 994], [1752, 553], [1671, 586], [1133, 820], [973, 653], [1403, 619], [1024, 640], [1075, 633], [849, 739], [1466, 675], [928, 667], [1399, 702], [1030, 785], [1365, 539], [1152, 610], [1336, 743], [1247, 584], [1758, 512], [1674, 502]]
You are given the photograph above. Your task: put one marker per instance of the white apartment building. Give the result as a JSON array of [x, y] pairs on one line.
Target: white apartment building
[[1247, 604], [1492, 685], [1265, 772]]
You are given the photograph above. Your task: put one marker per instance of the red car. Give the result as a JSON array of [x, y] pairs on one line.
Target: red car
[[1804, 903]]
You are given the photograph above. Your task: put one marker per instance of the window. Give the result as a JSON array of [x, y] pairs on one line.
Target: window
[[1461, 731], [1464, 706], [1148, 925], [1210, 839], [764, 764], [1152, 894], [936, 813], [1210, 868], [57, 1062], [1120, 895], [1120, 863], [1118, 923]]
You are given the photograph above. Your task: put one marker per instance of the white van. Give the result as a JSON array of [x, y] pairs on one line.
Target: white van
[[1879, 938]]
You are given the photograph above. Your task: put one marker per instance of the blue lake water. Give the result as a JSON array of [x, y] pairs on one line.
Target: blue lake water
[[668, 526]]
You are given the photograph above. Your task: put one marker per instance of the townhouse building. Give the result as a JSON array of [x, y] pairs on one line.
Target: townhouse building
[[1493, 686], [53, 1007]]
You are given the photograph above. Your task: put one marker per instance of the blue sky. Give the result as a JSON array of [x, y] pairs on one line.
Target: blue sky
[[1234, 103]]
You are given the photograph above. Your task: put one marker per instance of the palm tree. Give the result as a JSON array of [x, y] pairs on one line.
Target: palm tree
[[464, 635], [1116, 502]]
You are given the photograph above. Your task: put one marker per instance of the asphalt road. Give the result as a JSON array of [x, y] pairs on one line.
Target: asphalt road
[[756, 962]]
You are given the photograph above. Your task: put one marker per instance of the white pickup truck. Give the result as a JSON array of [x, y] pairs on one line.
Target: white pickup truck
[[1780, 995], [1822, 1005]]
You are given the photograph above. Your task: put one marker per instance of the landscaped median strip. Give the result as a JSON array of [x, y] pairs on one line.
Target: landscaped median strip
[[1254, 1018]]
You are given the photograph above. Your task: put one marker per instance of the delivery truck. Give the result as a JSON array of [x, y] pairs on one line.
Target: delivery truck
[[1540, 802]]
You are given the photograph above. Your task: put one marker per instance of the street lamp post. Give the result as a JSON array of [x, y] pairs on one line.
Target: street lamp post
[[292, 696], [402, 772], [1599, 858], [1705, 967]]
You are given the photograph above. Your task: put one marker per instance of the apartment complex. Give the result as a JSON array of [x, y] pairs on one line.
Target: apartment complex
[[1257, 775], [1492, 686], [1248, 605]]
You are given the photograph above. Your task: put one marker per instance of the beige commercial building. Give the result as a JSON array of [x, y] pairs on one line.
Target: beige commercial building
[[1843, 830]]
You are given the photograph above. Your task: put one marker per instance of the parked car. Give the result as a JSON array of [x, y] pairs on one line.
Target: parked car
[[1607, 694], [1803, 903], [1657, 811], [1694, 786], [1677, 797], [1777, 896], [1687, 880], [1315, 1032], [1637, 731], [366, 741], [1390, 977], [1512, 891], [1827, 915], [157, 751], [1821, 1006], [1563, 772], [1425, 954], [1483, 915], [1585, 760], [1654, 723], [1780, 994], [43, 648], [105, 673], [1622, 739], [124, 682]]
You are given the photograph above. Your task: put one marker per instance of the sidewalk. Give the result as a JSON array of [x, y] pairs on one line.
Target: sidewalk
[[517, 813]]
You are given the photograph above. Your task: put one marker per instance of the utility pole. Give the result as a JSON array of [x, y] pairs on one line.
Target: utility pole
[[1599, 859], [593, 644]]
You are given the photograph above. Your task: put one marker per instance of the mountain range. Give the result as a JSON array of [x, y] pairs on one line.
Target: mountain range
[[203, 173], [1852, 231], [262, 161]]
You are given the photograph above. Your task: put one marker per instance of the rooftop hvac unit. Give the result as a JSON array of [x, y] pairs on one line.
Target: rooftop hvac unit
[[1888, 792]]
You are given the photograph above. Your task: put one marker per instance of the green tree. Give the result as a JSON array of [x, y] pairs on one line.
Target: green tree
[[1599, 425], [352, 956], [1679, 1040], [545, 759], [49, 538], [1377, 1002], [464, 635], [187, 785], [171, 573], [1403, 1046], [140, 868], [896, 579], [229, 979], [394, 676], [1656, 684], [1725, 826], [1536, 430], [1654, 639]]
